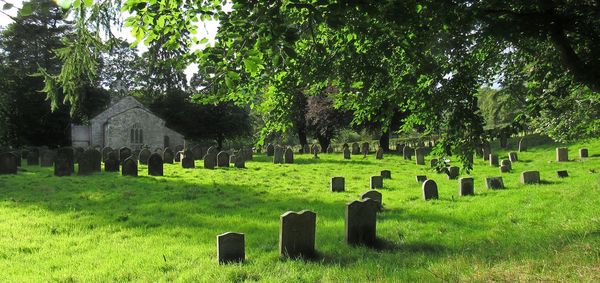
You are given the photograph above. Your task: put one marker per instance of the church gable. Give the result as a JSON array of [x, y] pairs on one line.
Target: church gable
[[121, 106]]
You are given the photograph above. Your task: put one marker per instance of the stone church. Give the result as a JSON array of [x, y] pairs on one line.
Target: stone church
[[125, 123]]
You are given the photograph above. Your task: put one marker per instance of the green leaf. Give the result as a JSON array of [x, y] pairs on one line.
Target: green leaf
[[419, 8], [65, 4], [7, 6], [203, 40]]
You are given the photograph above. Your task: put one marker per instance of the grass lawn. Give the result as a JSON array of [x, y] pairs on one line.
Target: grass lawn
[[106, 227]]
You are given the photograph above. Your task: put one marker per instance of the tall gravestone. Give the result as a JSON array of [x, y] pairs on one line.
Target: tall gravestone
[[376, 182], [111, 163], [124, 153], [355, 148], [231, 246], [64, 164], [494, 183], [210, 160], [379, 154], [77, 153], [430, 190], [453, 172], [493, 160], [513, 157], [338, 184], [277, 155], [155, 165], [361, 222], [297, 234], [420, 156], [168, 156], [188, 159], [87, 162], [530, 177], [486, 151], [223, 159], [129, 167], [288, 156], [365, 148], [144, 156], [96, 159], [346, 153], [47, 159], [270, 150], [466, 187], [407, 152], [8, 163], [583, 152], [522, 145], [240, 162], [562, 154]]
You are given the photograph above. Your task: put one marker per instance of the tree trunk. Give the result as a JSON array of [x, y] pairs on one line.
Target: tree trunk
[[302, 136], [324, 142], [384, 141], [220, 142]]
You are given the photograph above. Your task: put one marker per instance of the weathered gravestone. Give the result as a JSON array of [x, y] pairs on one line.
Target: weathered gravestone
[[144, 155], [453, 172], [379, 154], [513, 157], [421, 178], [239, 161], [485, 152], [210, 160], [156, 150], [466, 187], [315, 149], [433, 163], [506, 163], [105, 151], [346, 153], [330, 149], [277, 155], [96, 158], [129, 167], [197, 153], [231, 246], [223, 159], [77, 152], [8, 163], [420, 156], [270, 150], [522, 145], [399, 148], [187, 161], [155, 165], [562, 173], [504, 169], [178, 156], [212, 150], [355, 148], [407, 152], [64, 165], [583, 152], [493, 160], [124, 153], [288, 156], [33, 157], [361, 222], [430, 190], [494, 183], [89, 162], [111, 163], [376, 182], [338, 184], [530, 177], [168, 156], [297, 234], [305, 149], [136, 154], [48, 157], [374, 195], [365, 148], [386, 174], [562, 154]]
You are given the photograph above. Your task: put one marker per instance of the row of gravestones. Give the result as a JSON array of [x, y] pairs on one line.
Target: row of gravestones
[[297, 232]]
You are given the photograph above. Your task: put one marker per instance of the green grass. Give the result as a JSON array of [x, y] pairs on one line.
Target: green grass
[[107, 227]]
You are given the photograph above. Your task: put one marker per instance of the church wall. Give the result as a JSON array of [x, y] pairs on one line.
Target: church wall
[[119, 129]]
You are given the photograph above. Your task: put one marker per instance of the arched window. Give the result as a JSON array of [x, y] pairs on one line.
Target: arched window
[[136, 135]]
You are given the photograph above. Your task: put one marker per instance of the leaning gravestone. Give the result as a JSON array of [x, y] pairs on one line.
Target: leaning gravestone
[[278, 155], [420, 156], [270, 150], [386, 174], [288, 156], [421, 178], [562, 154], [530, 177], [452, 172], [124, 153], [155, 165], [210, 160], [64, 165], [355, 148], [466, 187], [297, 234], [493, 160], [129, 167], [430, 190], [494, 183], [168, 156], [376, 182], [231, 246], [48, 157], [111, 163], [374, 195], [188, 159], [144, 155], [406, 152], [583, 153], [346, 153], [338, 184], [33, 157], [365, 148], [522, 145], [562, 173], [513, 157], [8, 163], [223, 159], [379, 154], [361, 222]]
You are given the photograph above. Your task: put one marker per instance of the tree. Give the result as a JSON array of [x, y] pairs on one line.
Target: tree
[[324, 121]]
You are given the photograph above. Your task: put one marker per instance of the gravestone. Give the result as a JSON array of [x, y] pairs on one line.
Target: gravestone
[[305, 149], [420, 156], [64, 165], [210, 160], [178, 156], [506, 163], [346, 153], [17, 153], [77, 152], [297, 234], [583, 152], [486, 151], [522, 145], [124, 153], [87, 162], [338, 184], [156, 150], [129, 167], [33, 157], [231, 246], [48, 157], [453, 172], [178, 148], [421, 178], [136, 154], [270, 150], [188, 159], [361, 222], [314, 149], [355, 148], [8, 163], [386, 174], [376, 182], [155, 165], [105, 151], [239, 162], [288, 156], [277, 155], [111, 163], [365, 148], [213, 150], [399, 148], [430, 190], [168, 155], [197, 153], [504, 169], [513, 157], [374, 195], [562, 173], [96, 158], [494, 183], [144, 155], [493, 160], [530, 177], [379, 154], [562, 154], [223, 159], [466, 187], [433, 163], [407, 152], [330, 149]]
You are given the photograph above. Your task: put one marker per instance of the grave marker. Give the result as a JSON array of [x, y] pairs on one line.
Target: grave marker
[[338, 184], [361, 222], [223, 159], [420, 156], [583, 152], [155, 165], [453, 172], [129, 167], [64, 165], [530, 177], [8, 163], [430, 190], [297, 234], [376, 182], [494, 183], [288, 156], [231, 246], [562, 173], [466, 187], [421, 178], [386, 174]]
